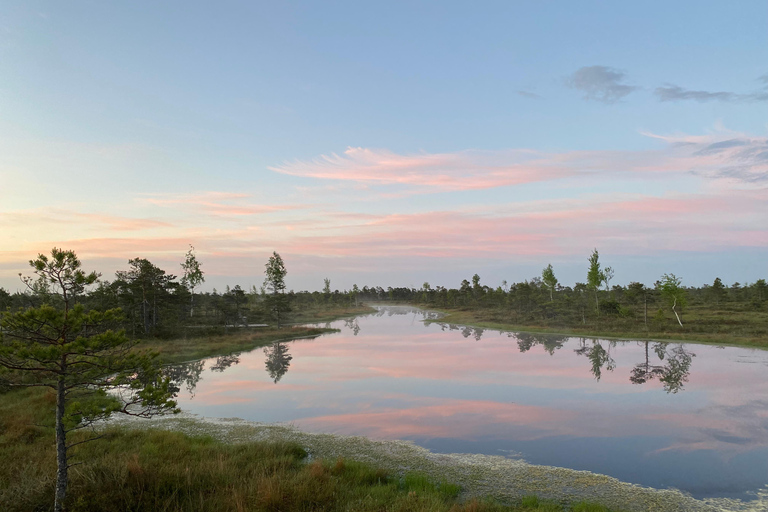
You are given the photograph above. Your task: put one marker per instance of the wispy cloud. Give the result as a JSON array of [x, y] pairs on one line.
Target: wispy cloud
[[225, 204], [732, 156], [529, 95], [465, 170], [724, 155], [671, 92], [600, 83], [700, 193]]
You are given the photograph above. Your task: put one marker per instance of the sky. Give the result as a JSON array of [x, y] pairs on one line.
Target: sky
[[387, 143]]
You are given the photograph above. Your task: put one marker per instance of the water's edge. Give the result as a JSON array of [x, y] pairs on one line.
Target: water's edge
[[506, 480]]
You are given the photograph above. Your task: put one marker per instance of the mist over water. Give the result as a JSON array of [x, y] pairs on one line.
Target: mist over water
[[688, 416]]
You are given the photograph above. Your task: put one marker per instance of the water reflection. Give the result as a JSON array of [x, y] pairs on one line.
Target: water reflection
[[550, 343], [186, 374], [353, 325], [613, 407], [673, 374], [224, 362], [421, 314], [677, 369], [278, 360], [597, 355], [465, 330]]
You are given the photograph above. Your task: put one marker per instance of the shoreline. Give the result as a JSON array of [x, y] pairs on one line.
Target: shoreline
[[480, 476], [558, 331]]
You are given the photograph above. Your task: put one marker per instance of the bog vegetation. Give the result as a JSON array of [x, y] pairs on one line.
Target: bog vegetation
[[157, 303], [78, 336]]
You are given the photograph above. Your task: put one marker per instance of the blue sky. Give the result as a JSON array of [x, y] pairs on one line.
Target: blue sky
[[135, 129]]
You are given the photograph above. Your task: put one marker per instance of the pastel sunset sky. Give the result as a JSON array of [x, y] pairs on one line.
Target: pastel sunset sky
[[387, 143]]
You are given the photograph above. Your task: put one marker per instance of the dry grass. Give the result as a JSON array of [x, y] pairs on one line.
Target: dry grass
[[192, 348], [735, 326], [149, 470]]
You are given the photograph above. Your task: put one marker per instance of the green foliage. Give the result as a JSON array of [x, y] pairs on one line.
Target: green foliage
[[275, 274], [548, 276], [277, 301], [594, 274], [717, 292], [46, 345], [146, 292], [193, 274], [672, 293], [76, 352]]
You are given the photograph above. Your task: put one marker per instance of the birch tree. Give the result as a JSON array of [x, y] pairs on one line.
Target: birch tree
[[275, 284], [672, 293], [548, 276], [192, 276], [595, 276]]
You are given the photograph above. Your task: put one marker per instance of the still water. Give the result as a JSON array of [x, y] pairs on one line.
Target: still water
[[692, 417]]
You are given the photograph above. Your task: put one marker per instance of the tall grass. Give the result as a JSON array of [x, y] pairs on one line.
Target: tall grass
[[158, 470], [726, 325]]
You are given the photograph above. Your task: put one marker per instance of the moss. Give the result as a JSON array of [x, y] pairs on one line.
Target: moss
[[480, 477]]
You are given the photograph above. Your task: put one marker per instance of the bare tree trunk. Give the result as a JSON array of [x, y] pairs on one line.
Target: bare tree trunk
[[61, 448], [675, 312]]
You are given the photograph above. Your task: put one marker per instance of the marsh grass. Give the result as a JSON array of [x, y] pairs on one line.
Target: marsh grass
[[328, 313], [199, 347], [149, 470], [736, 324], [199, 344]]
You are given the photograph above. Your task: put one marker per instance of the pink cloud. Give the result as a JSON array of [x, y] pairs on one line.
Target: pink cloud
[[728, 156], [218, 203], [446, 171]]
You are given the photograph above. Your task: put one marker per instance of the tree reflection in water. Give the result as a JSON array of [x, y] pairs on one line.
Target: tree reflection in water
[[673, 374], [224, 362], [475, 332], [645, 371], [672, 369], [677, 369], [526, 341], [187, 374], [598, 356], [351, 323], [278, 360]]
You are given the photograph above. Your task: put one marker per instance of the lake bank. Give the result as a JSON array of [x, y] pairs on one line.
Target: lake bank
[[479, 476], [660, 415], [190, 348], [487, 320]]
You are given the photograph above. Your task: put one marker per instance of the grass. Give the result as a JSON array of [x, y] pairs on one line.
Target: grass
[[152, 469], [322, 314], [190, 348], [148, 470], [735, 326]]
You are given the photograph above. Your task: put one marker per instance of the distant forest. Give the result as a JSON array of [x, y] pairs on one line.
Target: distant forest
[[157, 303]]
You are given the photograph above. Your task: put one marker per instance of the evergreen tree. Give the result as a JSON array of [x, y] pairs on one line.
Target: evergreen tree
[[76, 353]]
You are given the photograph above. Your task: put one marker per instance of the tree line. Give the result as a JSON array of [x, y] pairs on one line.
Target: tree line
[[159, 303]]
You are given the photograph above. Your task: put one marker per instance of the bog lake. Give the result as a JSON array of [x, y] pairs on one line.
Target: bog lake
[[661, 414]]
